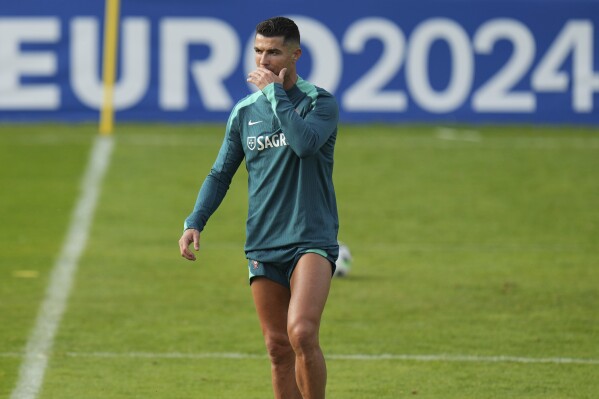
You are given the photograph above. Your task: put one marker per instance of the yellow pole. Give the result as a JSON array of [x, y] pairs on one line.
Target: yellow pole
[[111, 35]]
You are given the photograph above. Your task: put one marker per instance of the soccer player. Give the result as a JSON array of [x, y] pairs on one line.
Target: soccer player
[[286, 132]]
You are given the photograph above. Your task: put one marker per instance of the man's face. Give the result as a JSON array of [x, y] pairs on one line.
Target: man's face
[[272, 54]]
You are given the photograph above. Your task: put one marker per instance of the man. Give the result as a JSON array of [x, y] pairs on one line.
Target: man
[[286, 132]]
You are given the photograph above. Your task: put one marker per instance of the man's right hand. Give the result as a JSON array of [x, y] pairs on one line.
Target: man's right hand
[[189, 236]]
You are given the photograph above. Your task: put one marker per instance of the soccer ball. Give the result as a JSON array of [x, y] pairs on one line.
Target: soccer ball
[[344, 261]]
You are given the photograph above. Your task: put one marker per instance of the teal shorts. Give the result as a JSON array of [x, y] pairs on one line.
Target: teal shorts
[[280, 272]]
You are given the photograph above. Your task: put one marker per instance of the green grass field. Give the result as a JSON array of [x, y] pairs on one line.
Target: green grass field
[[476, 265]]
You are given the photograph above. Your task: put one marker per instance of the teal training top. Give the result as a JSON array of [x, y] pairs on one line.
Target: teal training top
[[287, 139]]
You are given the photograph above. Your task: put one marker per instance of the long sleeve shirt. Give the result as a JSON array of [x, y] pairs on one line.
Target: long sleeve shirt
[[287, 139]]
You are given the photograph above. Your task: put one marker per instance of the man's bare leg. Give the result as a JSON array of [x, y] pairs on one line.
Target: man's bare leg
[[272, 302], [310, 284]]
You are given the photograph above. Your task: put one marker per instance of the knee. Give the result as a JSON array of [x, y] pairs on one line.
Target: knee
[[279, 349], [303, 336]]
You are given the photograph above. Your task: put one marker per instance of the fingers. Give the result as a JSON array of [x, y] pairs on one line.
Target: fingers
[[262, 77], [187, 254], [196, 240], [282, 74], [258, 78], [187, 238]]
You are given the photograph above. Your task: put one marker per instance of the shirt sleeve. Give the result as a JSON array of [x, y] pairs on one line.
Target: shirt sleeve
[[217, 183], [305, 136]]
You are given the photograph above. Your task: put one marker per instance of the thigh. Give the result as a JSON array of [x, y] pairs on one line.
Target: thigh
[[272, 303], [310, 285]]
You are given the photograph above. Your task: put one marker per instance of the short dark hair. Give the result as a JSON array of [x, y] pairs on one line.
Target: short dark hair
[[279, 26]]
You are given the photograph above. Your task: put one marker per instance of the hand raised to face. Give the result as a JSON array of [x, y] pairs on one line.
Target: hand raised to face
[[262, 77]]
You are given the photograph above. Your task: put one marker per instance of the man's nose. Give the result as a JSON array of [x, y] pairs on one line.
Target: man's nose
[[264, 59]]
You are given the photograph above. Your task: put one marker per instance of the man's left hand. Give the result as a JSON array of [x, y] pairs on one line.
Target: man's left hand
[[262, 77]]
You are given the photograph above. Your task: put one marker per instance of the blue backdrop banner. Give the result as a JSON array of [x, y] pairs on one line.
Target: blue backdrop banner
[[388, 61]]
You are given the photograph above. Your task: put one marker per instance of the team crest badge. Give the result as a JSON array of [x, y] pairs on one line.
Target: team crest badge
[[255, 263], [252, 142]]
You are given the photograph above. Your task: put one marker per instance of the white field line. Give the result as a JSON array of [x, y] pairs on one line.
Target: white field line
[[41, 340], [442, 358]]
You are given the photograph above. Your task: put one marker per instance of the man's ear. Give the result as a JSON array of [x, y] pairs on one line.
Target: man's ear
[[296, 54]]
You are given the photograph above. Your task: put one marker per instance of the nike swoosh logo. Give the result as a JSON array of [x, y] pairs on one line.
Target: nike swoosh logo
[[250, 123]]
